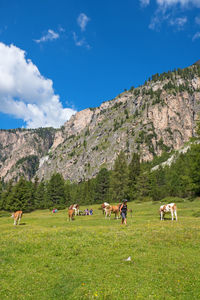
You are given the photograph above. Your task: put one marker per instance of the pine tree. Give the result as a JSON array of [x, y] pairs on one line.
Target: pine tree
[[102, 186], [134, 171], [56, 191], [119, 178], [1, 191], [5, 196], [41, 196], [21, 197], [68, 197], [194, 170], [143, 183]]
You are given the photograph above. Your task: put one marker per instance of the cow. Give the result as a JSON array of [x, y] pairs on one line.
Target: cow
[[75, 207], [107, 209], [103, 206], [168, 208], [71, 214], [112, 209], [17, 216], [115, 210]]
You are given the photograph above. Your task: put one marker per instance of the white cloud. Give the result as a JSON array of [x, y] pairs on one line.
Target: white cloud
[[50, 36], [80, 42], [82, 21], [196, 36], [183, 3], [158, 18], [26, 94], [168, 10], [144, 3], [178, 22]]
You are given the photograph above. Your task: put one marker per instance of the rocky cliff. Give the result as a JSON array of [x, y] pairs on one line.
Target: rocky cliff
[[158, 116], [21, 151]]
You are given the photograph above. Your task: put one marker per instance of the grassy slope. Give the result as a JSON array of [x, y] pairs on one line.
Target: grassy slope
[[48, 257]]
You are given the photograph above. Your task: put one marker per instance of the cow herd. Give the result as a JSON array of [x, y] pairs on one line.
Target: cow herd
[[107, 209]]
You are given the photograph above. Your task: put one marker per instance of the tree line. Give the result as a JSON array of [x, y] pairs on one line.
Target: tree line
[[135, 181]]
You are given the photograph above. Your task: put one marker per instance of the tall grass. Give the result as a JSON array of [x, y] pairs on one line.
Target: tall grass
[[48, 257]]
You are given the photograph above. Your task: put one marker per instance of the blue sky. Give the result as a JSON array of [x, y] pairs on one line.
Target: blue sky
[[58, 57]]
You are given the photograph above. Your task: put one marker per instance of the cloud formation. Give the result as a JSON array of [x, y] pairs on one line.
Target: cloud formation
[[144, 3], [168, 3], [178, 22], [168, 11], [26, 94], [196, 36], [82, 21], [50, 36], [80, 42], [183, 3]]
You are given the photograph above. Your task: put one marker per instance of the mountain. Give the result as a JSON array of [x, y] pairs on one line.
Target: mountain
[[159, 116]]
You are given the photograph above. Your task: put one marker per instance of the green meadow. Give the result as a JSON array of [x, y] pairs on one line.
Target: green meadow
[[48, 257]]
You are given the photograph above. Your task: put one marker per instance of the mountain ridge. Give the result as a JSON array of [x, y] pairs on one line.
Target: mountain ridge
[[155, 117]]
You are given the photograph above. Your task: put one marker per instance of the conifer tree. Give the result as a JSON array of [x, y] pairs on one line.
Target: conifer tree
[[5, 195], [102, 186], [41, 196], [1, 191], [68, 197], [143, 182], [119, 178], [134, 171], [56, 191], [21, 197]]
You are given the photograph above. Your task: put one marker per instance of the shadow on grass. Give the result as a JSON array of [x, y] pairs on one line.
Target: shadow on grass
[[22, 224]]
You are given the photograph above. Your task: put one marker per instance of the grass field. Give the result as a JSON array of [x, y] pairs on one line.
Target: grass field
[[48, 257]]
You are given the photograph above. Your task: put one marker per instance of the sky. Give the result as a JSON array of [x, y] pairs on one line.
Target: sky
[[60, 57]]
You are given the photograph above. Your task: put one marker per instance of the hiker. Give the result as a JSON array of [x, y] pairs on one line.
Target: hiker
[[123, 211]]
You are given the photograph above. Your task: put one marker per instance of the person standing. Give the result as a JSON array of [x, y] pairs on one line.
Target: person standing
[[123, 211]]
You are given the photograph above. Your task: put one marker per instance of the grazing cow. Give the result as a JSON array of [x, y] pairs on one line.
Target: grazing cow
[[112, 209], [75, 207], [103, 206], [17, 217], [107, 209], [168, 208], [71, 214], [115, 210]]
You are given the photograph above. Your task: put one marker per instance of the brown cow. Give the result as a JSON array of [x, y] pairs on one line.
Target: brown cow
[[112, 209], [17, 216], [71, 214], [115, 210]]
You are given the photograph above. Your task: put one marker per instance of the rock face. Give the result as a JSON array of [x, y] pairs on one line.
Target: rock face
[[158, 116], [20, 151]]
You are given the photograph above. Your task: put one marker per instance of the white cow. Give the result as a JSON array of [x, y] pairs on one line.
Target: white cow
[[108, 210], [168, 208], [75, 207], [104, 206]]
